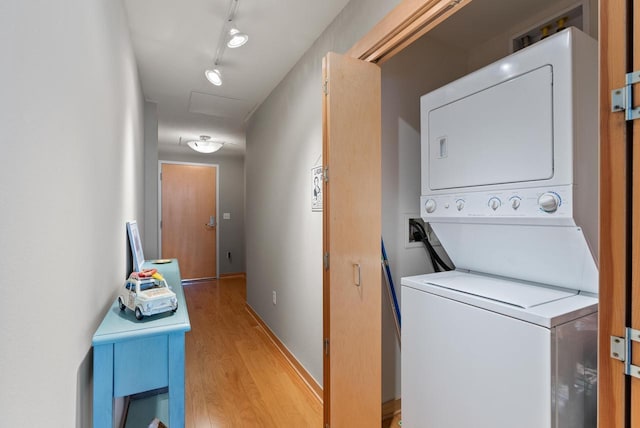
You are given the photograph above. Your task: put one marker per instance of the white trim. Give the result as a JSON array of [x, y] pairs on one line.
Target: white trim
[[212, 165]]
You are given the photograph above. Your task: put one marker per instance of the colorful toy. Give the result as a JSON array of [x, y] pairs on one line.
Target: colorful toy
[[147, 293]]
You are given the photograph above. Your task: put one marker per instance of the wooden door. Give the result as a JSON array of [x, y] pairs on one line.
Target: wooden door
[[188, 203], [351, 241], [619, 395]]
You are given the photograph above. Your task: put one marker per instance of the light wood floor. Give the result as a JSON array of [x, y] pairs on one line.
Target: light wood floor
[[235, 376], [396, 422]]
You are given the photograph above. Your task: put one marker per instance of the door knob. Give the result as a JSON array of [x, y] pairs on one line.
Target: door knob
[[212, 221]]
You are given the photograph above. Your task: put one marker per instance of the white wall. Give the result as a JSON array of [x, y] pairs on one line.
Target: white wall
[[71, 174], [498, 47], [150, 232], [231, 188], [418, 69], [284, 238]]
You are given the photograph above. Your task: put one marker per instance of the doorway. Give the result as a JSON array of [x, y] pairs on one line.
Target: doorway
[[189, 217], [402, 27]]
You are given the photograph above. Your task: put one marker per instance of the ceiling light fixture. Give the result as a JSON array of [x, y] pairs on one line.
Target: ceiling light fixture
[[231, 38], [214, 76], [236, 38], [205, 145]]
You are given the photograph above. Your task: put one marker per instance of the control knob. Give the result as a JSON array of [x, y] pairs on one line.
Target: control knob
[[549, 202], [515, 203], [459, 204], [430, 206], [494, 203]]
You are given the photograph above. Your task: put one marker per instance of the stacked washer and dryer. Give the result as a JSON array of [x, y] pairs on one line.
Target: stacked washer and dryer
[[510, 187]]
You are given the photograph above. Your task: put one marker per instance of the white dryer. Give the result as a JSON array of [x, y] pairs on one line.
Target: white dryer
[[510, 186]]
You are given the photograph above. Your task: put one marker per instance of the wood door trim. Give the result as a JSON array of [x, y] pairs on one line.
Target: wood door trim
[[212, 165], [407, 22], [634, 141], [326, 242], [613, 216]]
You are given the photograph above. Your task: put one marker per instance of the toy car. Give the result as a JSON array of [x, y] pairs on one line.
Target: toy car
[[147, 293]]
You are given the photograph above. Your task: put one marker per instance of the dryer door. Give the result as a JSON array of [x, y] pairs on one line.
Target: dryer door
[[501, 134]]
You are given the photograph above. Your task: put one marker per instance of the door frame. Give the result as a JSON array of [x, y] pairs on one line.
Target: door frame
[[614, 220], [212, 165], [403, 25], [411, 19]]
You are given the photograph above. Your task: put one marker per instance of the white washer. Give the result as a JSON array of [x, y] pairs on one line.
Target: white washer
[[484, 352]]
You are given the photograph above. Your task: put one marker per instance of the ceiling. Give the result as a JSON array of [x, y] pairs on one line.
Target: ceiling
[[176, 41], [482, 20]]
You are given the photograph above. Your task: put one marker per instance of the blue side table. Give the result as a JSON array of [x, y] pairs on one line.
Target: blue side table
[[131, 356]]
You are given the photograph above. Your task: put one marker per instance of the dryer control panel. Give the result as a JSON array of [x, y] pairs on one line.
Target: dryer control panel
[[541, 205]]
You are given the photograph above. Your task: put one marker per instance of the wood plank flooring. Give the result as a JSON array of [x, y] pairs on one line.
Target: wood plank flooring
[[396, 422], [235, 376]]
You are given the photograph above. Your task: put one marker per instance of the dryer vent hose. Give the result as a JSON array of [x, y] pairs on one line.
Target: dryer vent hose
[[420, 235]]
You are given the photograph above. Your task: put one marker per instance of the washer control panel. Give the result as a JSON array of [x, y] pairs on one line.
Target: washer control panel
[[538, 203]]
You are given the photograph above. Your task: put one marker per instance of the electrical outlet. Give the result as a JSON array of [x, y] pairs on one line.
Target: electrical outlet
[[274, 297]]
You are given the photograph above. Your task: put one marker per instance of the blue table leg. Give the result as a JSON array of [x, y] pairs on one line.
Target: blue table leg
[[103, 386], [176, 380]]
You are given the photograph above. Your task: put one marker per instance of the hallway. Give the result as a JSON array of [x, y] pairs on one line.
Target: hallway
[[235, 376]]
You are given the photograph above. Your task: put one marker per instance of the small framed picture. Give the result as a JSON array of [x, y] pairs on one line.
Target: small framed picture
[[136, 245], [316, 188]]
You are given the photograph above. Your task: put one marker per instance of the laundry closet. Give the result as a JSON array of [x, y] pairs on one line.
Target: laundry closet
[[479, 34]]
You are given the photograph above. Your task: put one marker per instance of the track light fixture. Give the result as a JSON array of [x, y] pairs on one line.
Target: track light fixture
[[236, 38], [214, 76], [232, 38]]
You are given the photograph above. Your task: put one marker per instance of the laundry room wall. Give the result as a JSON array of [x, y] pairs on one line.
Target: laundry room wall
[[498, 46], [425, 65], [284, 237]]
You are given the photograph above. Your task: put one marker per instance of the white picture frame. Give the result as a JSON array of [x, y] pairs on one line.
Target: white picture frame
[[136, 245]]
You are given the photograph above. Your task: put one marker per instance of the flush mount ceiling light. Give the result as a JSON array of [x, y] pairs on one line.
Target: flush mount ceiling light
[[236, 38], [205, 145], [214, 76]]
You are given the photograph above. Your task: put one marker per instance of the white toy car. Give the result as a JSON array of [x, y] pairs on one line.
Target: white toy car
[[147, 293]]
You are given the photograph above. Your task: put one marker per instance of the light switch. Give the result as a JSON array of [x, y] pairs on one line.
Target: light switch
[[226, 216]]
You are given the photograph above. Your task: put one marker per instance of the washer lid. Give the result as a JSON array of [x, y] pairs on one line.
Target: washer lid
[[513, 293]]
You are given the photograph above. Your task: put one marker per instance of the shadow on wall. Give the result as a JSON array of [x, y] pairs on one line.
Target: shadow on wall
[[84, 392]]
